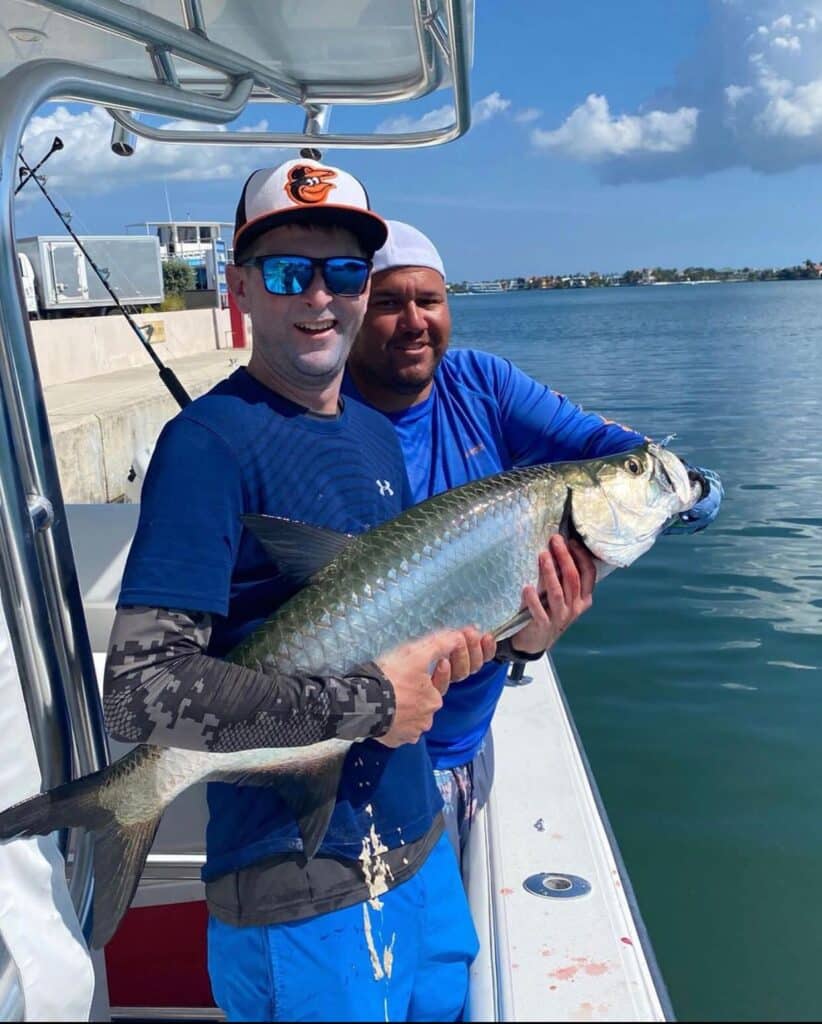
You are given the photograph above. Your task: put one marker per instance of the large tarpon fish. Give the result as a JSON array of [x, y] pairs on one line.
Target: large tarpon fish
[[459, 558]]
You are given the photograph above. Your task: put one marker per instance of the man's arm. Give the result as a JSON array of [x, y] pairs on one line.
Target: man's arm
[[541, 425], [161, 687]]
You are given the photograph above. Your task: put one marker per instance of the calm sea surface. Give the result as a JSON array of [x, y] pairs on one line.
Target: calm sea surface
[[696, 679]]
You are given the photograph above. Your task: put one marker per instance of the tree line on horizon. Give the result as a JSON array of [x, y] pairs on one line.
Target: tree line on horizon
[[809, 270]]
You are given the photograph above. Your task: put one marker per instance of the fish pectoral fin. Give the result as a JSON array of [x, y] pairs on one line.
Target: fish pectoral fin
[[512, 625], [310, 793], [120, 853], [299, 550]]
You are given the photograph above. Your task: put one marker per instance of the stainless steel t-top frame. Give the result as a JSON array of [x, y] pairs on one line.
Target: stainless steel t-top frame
[[443, 50], [38, 580]]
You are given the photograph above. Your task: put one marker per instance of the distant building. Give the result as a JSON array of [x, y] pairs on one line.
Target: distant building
[[185, 240], [193, 242]]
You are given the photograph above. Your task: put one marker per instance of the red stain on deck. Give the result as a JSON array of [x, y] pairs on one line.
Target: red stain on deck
[[626, 940], [506, 891], [580, 963]]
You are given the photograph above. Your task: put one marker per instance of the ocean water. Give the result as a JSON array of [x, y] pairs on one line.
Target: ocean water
[[696, 678]]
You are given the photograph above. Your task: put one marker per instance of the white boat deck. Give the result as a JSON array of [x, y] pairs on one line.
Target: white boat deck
[[560, 957]]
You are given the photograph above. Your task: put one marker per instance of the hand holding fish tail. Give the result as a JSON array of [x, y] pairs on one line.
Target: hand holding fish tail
[[566, 579], [419, 688]]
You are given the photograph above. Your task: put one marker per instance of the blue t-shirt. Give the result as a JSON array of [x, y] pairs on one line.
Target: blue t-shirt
[[484, 416], [239, 449]]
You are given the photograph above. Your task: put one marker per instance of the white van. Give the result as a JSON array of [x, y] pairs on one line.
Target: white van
[[29, 290]]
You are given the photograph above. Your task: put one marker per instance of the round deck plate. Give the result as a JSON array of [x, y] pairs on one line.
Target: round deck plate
[[556, 885]]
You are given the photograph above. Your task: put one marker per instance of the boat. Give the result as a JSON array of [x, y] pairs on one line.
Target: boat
[[484, 287], [561, 935]]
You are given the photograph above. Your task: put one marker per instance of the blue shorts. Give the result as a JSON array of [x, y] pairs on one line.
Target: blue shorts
[[407, 960]]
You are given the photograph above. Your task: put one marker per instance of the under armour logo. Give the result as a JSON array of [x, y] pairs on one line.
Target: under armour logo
[[385, 487]]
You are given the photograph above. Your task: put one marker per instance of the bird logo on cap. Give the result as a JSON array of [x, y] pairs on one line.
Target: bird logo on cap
[[309, 185]]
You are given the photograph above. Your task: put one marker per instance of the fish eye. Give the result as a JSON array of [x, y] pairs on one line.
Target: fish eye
[[633, 466]]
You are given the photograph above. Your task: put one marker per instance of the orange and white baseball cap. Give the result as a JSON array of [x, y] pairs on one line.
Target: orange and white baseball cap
[[301, 192]]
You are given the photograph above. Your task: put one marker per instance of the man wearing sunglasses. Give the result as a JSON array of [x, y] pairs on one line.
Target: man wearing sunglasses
[[460, 416], [376, 925]]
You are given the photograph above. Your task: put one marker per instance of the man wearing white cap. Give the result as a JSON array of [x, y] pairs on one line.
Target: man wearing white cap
[[375, 926], [461, 416]]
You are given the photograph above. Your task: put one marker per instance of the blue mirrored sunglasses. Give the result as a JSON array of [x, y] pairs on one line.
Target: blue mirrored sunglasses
[[291, 275]]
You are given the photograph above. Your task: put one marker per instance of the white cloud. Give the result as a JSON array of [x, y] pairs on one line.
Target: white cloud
[[439, 118], [750, 95], [786, 42], [483, 110], [86, 135], [590, 133], [735, 93], [795, 115], [528, 115], [490, 106]]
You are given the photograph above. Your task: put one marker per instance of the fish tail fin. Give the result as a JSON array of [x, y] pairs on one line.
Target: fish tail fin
[[120, 853], [72, 805], [120, 850]]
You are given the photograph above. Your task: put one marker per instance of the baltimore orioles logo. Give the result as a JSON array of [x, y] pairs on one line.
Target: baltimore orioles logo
[[309, 185]]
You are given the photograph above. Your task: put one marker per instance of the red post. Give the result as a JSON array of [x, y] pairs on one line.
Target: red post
[[238, 332]]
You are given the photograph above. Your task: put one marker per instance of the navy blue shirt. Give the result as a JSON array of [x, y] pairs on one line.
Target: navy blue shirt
[[484, 416], [239, 449]]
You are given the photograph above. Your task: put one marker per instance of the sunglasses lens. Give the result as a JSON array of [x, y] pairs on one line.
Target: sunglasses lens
[[346, 276], [287, 275], [291, 275]]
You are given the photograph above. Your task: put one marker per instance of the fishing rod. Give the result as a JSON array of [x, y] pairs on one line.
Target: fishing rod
[[167, 375]]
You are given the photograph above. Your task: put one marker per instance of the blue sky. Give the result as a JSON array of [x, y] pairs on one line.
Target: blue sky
[[607, 136]]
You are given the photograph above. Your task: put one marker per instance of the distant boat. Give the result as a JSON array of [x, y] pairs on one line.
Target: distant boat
[[483, 287]]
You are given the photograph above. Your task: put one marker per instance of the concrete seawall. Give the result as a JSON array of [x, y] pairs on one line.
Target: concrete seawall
[[106, 403]]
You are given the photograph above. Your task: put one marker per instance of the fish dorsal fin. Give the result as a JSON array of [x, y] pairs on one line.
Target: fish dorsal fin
[[299, 550]]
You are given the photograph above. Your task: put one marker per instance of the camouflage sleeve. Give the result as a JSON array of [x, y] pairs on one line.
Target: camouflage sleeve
[[161, 687]]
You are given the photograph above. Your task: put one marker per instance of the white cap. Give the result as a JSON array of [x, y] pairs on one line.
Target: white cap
[[407, 247], [300, 191]]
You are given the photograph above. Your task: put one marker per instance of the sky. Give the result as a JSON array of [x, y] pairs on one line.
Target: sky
[[605, 137]]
